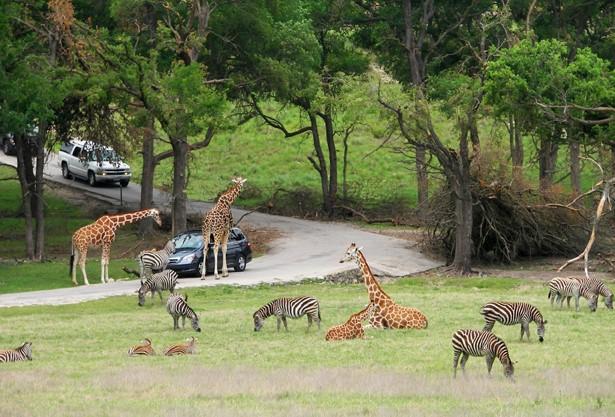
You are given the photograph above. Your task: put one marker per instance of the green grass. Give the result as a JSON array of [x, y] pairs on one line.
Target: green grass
[[80, 365]]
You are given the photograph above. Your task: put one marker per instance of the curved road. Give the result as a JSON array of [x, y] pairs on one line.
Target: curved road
[[306, 249]]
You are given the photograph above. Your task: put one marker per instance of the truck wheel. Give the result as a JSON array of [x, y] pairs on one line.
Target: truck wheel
[[65, 171], [91, 179], [124, 183]]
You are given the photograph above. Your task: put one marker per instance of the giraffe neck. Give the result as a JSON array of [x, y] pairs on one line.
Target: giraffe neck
[[375, 292], [127, 218], [229, 196]]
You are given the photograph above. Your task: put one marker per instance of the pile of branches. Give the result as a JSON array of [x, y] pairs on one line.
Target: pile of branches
[[508, 224]]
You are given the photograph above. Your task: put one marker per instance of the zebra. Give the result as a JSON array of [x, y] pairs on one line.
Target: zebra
[[165, 280], [177, 307], [567, 287], [480, 343], [145, 349], [288, 307], [155, 260], [509, 313], [182, 348], [22, 353], [599, 287]]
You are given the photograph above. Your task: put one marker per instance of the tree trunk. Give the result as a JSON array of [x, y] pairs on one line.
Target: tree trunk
[[321, 165], [39, 207], [612, 146], [345, 169], [547, 158], [575, 167], [22, 156], [146, 226], [180, 163], [332, 190], [422, 180]]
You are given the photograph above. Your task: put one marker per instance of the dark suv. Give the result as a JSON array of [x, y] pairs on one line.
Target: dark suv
[[187, 260]]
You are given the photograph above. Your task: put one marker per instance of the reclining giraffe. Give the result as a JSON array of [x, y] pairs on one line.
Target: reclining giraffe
[[102, 233], [389, 315], [353, 328]]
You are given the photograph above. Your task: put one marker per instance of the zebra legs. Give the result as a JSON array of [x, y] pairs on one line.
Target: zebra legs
[[309, 317], [175, 322], [284, 321], [455, 361], [464, 359], [525, 327], [489, 359]]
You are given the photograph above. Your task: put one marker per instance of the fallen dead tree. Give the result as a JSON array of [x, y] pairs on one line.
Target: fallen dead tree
[[508, 224]]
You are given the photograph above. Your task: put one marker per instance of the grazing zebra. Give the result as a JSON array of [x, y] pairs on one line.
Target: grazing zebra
[[288, 307], [182, 348], [480, 343], [145, 349], [514, 313], [165, 280], [21, 353], [567, 287], [177, 307], [155, 260], [596, 285]]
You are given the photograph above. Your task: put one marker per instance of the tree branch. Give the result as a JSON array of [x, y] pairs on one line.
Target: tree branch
[[275, 123]]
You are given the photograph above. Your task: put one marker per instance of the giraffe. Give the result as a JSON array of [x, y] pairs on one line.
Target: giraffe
[[389, 315], [353, 328], [218, 222], [102, 233]]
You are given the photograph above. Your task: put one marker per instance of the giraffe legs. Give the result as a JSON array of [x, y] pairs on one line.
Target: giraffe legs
[[104, 263], [216, 247], [206, 236], [82, 255], [224, 245]]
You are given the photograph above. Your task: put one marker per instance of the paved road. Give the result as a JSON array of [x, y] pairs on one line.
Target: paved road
[[306, 249]]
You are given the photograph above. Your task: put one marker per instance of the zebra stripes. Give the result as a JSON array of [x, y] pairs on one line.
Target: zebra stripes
[[155, 260], [144, 349], [182, 348], [567, 287], [596, 285], [480, 343], [509, 313], [288, 307], [177, 307], [22, 353], [165, 280]]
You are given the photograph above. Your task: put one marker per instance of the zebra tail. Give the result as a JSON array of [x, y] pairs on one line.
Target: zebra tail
[[72, 258]]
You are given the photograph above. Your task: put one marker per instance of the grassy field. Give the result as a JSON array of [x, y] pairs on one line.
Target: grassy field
[[80, 367]]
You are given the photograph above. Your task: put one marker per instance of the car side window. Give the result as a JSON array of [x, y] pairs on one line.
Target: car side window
[[76, 151]]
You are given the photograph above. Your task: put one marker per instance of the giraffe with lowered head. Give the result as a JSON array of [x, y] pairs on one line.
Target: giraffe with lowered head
[[353, 328], [389, 314], [218, 222], [102, 233]]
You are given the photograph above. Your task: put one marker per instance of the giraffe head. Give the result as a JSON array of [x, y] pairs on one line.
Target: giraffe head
[[351, 253], [239, 181], [155, 214]]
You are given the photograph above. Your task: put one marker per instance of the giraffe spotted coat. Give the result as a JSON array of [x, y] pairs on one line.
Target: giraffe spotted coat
[[353, 328]]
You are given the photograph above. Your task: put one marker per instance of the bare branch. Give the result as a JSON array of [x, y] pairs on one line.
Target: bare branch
[[275, 123]]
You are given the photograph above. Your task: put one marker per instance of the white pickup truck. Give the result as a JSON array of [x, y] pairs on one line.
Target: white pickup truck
[[93, 162]]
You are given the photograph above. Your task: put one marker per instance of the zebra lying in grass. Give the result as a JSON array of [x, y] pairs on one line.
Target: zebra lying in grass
[[165, 280], [22, 353], [599, 287], [288, 307], [480, 343], [177, 307], [144, 349], [568, 287], [182, 348], [509, 313], [155, 260]]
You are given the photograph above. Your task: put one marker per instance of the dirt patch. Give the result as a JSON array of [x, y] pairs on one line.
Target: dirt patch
[[260, 238]]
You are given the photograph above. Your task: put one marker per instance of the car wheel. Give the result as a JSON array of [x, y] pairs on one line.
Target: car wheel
[[124, 183], [91, 179], [65, 171], [240, 264]]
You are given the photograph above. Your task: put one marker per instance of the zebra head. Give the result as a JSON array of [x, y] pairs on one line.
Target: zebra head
[[509, 368], [26, 350], [170, 247], [142, 291], [541, 330], [351, 253], [258, 321], [592, 302], [608, 301]]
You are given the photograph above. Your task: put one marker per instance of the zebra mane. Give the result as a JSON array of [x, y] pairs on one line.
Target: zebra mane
[[265, 311]]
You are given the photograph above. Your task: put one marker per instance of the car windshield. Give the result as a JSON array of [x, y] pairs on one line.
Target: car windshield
[[100, 155], [188, 241]]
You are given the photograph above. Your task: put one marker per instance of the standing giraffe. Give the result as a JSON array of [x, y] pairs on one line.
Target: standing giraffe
[[389, 314], [218, 222], [102, 233]]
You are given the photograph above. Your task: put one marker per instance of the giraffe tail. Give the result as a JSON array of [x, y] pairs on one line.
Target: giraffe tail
[[72, 258]]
